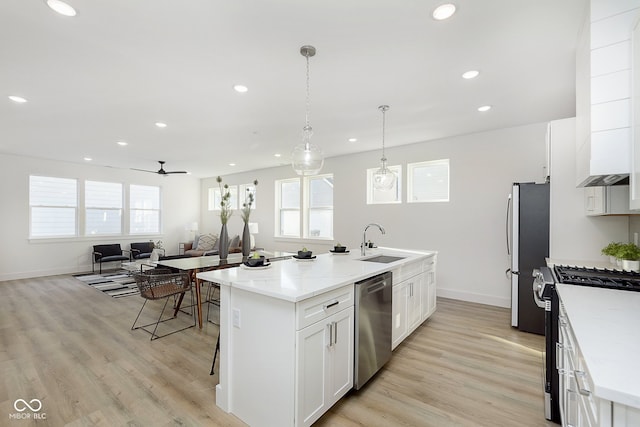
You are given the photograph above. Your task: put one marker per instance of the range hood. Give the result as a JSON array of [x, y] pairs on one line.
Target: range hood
[[605, 180]]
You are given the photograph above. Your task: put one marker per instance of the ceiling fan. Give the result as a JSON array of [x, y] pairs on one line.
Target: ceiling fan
[[160, 171]]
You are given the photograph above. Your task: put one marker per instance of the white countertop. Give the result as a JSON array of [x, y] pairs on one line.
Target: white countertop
[[294, 280], [606, 324]]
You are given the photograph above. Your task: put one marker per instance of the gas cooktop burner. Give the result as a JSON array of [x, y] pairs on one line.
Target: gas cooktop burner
[[603, 278]]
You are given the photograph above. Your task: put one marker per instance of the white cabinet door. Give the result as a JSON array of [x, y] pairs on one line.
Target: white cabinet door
[[429, 295], [324, 365], [414, 300], [340, 369], [399, 314], [311, 365]]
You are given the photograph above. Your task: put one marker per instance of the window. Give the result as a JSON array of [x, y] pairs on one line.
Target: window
[[394, 195], [215, 198], [289, 207], [244, 191], [305, 207], [103, 208], [53, 206], [144, 209], [428, 181]]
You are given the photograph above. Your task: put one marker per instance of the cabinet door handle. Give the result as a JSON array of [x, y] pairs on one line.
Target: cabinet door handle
[[580, 375], [335, 332], [330, 334], [559, 350], [331, 304]]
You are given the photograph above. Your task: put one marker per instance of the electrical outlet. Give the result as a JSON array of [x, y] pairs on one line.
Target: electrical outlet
[[236, 318]]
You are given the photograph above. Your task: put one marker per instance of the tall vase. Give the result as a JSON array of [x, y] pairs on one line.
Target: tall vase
[[246, 240], [223, 250]]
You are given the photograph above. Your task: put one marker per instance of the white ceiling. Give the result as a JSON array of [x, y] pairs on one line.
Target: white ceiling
[[119, 66]]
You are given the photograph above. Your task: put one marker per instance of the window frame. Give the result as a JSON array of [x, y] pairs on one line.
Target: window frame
[[411, 184], [86, 208], [75, 208], [131, 210], [303, 210]]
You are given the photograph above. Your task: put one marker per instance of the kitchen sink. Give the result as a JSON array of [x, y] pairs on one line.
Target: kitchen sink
[[385, 259]]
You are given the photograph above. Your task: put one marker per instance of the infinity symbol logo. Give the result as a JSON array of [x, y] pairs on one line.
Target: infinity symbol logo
[[26, 405]]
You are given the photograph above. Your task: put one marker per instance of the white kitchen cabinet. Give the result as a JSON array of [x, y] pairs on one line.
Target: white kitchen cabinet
[[625, 416], [399, 314], [414, 298], [611, 200], [579, 407], [634, 178], [324, 365]]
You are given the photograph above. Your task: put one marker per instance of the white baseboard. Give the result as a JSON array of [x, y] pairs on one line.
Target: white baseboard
[[471, 297], [41, 273]]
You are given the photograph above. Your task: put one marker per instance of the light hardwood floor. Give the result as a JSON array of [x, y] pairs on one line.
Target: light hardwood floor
[[71, 347]]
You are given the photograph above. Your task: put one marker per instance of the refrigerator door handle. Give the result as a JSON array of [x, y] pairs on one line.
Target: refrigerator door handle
[[507, 224]]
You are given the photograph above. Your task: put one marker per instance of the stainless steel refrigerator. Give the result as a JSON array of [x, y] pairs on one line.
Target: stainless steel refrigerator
[[528, 246]]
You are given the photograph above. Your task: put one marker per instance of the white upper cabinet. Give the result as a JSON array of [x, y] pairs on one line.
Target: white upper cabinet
[[634, 181], [604, 92]]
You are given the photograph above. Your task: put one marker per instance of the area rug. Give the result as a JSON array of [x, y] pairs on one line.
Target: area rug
[[115, 284]]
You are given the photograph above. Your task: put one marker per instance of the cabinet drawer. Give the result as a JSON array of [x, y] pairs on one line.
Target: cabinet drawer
[[407, 271], [317, 308]]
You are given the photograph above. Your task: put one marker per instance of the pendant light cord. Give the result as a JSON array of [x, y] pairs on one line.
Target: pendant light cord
[[384, 109], [308, 102]]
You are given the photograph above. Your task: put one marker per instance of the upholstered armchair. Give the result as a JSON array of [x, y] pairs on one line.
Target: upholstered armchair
[[107, 253], [143, 250]]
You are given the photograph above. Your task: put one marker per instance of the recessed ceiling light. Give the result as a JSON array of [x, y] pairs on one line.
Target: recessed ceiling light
[[471, 74], [122, 143], [232, 164], [18, 99], [161, 125], [61, 7], [240, 88], [277, 155], [352, 139], [444, 11], [87, 159], [484, 108]]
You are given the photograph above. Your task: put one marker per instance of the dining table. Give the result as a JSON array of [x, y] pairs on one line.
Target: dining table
[[195, 265]]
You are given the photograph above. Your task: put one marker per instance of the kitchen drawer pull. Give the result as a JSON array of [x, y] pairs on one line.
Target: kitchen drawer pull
[[331, 305], [580, 376], [330, 334], [559, 349]]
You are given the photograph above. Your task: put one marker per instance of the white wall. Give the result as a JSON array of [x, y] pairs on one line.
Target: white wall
[[575, 236], [21, 257], [468, 232]]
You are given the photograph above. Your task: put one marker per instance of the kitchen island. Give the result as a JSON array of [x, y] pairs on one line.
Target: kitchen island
[[599, 347], [287, 331]]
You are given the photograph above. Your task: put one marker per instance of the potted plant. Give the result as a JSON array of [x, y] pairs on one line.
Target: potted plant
[[245, 212], [339, 248], [611, 250], [225, 214], [255, 260], [304, 253], [629, 253]]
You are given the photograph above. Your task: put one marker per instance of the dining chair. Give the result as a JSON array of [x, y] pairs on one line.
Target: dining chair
[[161, 283]]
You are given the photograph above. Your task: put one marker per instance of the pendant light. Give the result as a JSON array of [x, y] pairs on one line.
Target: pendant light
[[307, 158], [384, 179]]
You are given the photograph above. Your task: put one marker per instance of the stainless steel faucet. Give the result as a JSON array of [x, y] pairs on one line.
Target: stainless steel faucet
[[364, 237]]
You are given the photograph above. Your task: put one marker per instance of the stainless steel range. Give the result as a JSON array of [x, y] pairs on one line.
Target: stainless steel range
[[545, 296]]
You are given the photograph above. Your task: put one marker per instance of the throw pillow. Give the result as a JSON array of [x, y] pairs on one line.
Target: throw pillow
[[235, 242], [206, 242]]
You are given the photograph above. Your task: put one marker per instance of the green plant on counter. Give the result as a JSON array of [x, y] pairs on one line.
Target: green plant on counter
[[612, 249], [255, 255], [629, 251]]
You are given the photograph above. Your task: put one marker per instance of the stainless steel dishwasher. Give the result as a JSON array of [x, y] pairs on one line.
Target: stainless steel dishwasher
[[373, 327]]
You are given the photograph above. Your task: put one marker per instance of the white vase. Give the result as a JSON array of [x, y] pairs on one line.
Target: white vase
[[613, 260], [618, 262], [628, 265]]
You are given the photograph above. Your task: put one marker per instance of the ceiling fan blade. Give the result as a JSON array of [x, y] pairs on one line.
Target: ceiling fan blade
[[176, 172], [143, 170]]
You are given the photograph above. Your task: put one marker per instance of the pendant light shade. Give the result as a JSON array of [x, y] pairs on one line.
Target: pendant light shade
[[384, 179], [306, 157]]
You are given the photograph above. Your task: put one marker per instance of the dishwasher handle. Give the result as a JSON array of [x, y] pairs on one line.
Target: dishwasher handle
[[375, 287]]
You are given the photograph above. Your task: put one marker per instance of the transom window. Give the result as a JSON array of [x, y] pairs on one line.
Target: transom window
[[428, 181]]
